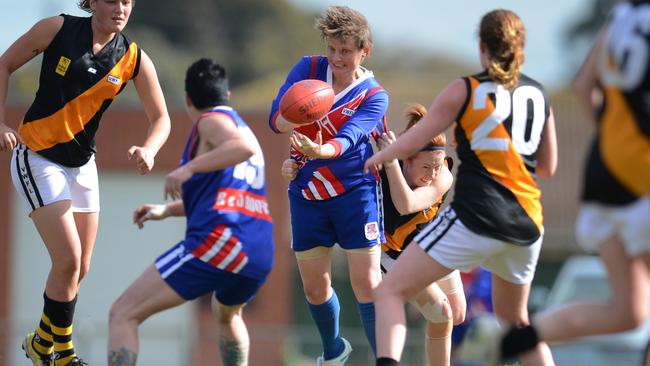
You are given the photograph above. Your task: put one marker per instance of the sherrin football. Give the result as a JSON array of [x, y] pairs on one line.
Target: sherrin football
[[306, 101]]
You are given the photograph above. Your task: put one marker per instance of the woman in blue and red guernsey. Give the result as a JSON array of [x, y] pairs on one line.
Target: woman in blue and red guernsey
[[332, 200]]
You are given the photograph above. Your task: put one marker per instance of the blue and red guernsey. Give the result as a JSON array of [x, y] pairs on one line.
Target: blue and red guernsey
[[357, 116], [228, 221]]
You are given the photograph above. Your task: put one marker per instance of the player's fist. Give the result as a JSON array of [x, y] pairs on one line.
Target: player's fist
[[143, 159], [289, 170], [8, 138]]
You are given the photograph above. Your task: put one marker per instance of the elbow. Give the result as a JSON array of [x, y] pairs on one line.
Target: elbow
[[405, 209], [546, 171]]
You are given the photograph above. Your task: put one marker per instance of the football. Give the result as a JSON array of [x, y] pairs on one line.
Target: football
[[306, 101]]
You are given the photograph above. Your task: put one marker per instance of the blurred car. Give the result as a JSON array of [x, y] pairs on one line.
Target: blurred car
[[585, 278]]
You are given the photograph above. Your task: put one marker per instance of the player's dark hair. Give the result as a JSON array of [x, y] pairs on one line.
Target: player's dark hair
[[206, 84], [504, 35]]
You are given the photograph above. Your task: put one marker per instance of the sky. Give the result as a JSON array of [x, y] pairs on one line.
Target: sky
[[446, 27]]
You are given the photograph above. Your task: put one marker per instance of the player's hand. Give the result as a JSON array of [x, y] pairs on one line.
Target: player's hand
[[143, 158], [8, 138], [306, 146], [148, 212], [175, 180], [385, 140], [289, 170], [374, 163]]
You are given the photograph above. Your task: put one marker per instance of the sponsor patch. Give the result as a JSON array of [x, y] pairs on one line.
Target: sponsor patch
[[348, 112], [372, 230], [62, 66], [114, 80], [92, 70]]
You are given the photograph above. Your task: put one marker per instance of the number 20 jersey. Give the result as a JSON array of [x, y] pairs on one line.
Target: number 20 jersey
[[498, 132]]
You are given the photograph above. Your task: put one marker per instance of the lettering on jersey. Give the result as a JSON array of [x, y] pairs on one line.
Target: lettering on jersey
[[114, 80], [247, 203], [62, 66], [348, 112], [372, 230]]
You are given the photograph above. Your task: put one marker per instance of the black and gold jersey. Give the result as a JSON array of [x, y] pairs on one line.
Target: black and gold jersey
[[618, 165], [498, 132], [75, 88], [400, 230]]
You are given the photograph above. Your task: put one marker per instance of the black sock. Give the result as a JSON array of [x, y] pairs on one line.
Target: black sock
[[517, 341], [61, 316], [387, 361]]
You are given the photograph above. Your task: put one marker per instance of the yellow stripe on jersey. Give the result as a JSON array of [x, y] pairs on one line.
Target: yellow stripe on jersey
[[624, 148], [506, 166], [62, 126], [397, 240]]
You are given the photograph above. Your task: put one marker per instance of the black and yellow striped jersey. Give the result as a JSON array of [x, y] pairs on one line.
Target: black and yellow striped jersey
[[498, 132], [400, 230], [75, 88], [618, 165]]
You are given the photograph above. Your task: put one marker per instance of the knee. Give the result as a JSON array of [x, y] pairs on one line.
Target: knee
[[458, 313], [83, 270], [364, 289], [316, 293], [514, 319], [120, 313], [386, 290], [68, 267], [227, 314]]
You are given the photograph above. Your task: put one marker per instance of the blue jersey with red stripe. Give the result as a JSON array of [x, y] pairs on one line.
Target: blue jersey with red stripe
[[228, 220], [357, 116]]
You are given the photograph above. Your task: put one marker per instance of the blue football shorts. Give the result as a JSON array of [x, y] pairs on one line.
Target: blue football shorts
[[353, 220]]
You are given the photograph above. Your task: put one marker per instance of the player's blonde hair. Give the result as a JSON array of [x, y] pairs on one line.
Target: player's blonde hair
[[413, 114], [344, 23], [85, 5], [504, 35]]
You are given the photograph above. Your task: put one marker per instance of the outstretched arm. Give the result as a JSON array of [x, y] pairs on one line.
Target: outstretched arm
[[28, 46], [151, 95], [441, 115]]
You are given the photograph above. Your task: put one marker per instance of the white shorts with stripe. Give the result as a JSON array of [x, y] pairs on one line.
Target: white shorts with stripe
[[41, 182], [454, 246], [598, 223]]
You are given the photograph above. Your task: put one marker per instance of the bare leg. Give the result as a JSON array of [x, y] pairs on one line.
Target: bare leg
[[316, 278], [626, 309], [234, 341], [87, 223], [148, 294], [435, 307], [511, 306], [56, 226], [365, 274], [412, 272]]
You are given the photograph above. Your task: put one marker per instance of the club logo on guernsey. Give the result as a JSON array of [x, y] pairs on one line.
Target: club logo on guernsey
[[114, 80], [372, 230], [62, 66]]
